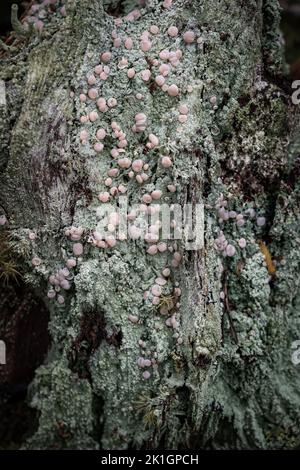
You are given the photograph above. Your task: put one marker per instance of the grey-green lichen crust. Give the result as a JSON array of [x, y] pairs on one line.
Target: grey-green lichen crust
[[47, 159]]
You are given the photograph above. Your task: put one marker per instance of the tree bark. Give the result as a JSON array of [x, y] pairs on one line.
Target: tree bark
[[223, 377]]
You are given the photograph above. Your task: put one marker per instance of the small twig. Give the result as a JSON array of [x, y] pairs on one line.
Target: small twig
[[227, 310], [6, 47], [18, 27]]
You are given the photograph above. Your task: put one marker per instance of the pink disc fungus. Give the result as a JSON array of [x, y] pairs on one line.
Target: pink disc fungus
[[166, 272], [183, 109], [160, 80], [112, 102], [104, 197], [93, 93], [250, 212], [71, 263], [98, 147], [114, 153], [164, 54], [182, 118], [113, 191], [131, 73], [84, 136], [240, 222], [78, 249], [173, 90], [124, 162], [155, 300], [91, 80], [36, 261], [166, 162], [51, 294], [97, 236], [122, 189], [189, 37], [156, 194], [162, 247], [128, 43], [160, 281], [261, 221], [164, 69], [145, 45], [146, 375], [140, 117], [103, 76], [242, 243], [177, 256], [31, 235], [106, 56], [122, 144], [75, 233], [65, 284], [140, 122], [117, 42], [137, 165], [141, 362], [101, 134], [230, 250], [133, 318], [135, 232], [111, 241], [146, 198], [108, 182], [154, 29], [145, 75], [123, 63], [153, 141], [98, 69], [167, 4], [101, 104], [152, 250], [60, 299], [177, 292], [113, 172], [172, 31], [93, 116]]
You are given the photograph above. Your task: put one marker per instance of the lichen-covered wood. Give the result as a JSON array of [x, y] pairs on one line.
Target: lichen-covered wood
[[221, 373]]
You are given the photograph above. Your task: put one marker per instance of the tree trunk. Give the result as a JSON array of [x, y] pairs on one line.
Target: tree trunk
[[219, 331]]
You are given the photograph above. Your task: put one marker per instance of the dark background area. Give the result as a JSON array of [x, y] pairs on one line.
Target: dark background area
[[5, 6]]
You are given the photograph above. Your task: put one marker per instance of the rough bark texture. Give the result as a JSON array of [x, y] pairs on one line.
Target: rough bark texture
[[231, 383]]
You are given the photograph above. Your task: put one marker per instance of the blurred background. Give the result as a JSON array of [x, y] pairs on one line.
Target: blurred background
[[290, 26]]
